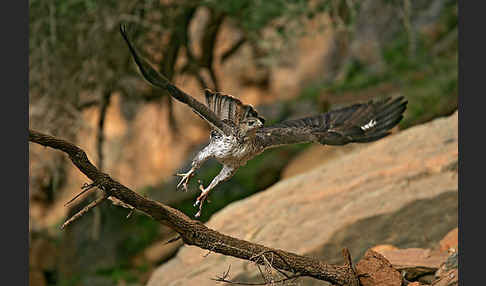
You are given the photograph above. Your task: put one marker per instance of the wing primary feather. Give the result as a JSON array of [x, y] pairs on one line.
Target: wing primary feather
[[365, 122], [393, 111], [160, 81]]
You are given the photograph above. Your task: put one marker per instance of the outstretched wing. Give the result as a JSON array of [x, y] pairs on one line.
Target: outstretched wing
[[158, 80], [229, 108], [359, 123]]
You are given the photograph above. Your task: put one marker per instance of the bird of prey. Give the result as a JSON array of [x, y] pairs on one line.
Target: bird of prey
[[238, 133]]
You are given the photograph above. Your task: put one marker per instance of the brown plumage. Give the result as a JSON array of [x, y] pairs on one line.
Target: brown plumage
[[227, 107], [238, 133]]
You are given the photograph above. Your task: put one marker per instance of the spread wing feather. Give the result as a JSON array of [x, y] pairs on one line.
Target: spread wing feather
[[364, 122], [229, 108], [158, 80]]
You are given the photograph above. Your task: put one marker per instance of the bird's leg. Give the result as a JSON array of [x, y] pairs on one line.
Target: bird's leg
[[225, 173], [200, 158], [185, 178]]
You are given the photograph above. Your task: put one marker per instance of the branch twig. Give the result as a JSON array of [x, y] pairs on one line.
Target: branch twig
[[193, 232], [224, 278], [85, 188], [84, 210]]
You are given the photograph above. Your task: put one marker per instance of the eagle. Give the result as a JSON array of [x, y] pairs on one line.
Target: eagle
[[238, 133]]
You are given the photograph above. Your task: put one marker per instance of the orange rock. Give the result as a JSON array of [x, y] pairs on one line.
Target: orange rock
[[383, 247], [450, 278], [415, 257], [378, 270], [315, 156], [450, 240]]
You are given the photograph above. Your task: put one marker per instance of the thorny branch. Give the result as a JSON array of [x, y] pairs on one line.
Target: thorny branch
[[224, 278], [85, 210], [193, 232], [84, 188], [268, 268]]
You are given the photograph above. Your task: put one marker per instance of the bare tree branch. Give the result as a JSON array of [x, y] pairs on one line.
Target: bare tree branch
[[84, 210], [228, 53], [84, 188], [193, 232], [224, 278], [100, 140]]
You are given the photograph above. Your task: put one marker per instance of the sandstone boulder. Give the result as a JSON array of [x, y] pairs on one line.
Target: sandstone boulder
[[401, 190], [377, 271]]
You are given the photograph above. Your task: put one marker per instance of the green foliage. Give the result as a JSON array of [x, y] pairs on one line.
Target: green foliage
[[71, 281], [357, 78], [68, 8], [146, 231], [269, 26], [122, 272], [254, 15], [428, 79]]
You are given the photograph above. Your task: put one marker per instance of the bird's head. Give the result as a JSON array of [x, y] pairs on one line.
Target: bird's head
[[249, 125]]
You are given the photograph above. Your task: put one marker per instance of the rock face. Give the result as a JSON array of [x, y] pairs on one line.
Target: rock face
[[418, 266], [415, 262], [401, 190], [451, 240], [377, 271]]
